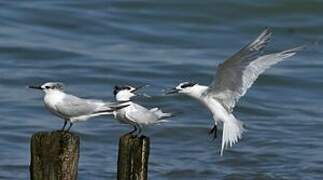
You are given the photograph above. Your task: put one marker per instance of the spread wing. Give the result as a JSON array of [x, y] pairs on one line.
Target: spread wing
[[238, 73]]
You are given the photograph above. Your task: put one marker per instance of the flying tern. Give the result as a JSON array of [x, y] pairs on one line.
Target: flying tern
[[231, 81]]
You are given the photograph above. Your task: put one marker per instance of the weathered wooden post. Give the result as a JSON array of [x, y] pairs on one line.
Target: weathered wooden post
[[54, 156], [133, 157]]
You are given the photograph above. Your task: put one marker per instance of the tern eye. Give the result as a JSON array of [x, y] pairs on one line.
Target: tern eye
[[47, 87], [187, 85]]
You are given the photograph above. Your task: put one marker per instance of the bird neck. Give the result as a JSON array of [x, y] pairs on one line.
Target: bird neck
[[53, 97], [123, 96], [197, 91], [122, 99], [54, 92]]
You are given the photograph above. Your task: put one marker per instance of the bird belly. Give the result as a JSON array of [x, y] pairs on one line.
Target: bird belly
[[218, 111], [120, 115]]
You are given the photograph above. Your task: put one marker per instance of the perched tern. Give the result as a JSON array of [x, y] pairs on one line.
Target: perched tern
[[135, 114], [72, 108], [232, 80]]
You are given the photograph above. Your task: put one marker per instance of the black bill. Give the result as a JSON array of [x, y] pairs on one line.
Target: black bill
[[35, 87], [172, 91], [139, 87]]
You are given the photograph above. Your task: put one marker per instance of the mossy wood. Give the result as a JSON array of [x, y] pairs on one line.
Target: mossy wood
[[54, 156], [133, 158]]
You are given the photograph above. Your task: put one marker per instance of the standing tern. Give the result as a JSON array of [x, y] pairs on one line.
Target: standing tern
[[135, 114], [232, 80], [72, 108]]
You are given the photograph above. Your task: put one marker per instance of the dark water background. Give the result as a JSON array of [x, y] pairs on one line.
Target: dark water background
[[93, 45]]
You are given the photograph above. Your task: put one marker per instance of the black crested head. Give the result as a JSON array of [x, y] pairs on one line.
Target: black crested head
[[187, 84], [59, 86], [117, 89], [53, 85]]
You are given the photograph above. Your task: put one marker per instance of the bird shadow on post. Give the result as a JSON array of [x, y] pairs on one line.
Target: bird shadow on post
[[133, 157], [54, 156]]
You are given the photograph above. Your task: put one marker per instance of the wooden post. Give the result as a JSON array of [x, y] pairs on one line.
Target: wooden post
[[133, 157], [54, 156]]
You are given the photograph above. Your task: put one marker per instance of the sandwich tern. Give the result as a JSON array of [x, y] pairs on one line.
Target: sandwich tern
[[72, 108], [231, 81], [135, 114]]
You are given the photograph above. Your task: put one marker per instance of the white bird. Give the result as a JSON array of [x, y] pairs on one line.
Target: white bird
[[135, 114], [72, 108], [231, 81]]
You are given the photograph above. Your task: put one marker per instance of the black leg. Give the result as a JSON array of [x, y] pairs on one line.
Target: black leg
[[134, 129], [213, 131], [71, 124], [139, 132], [64, 125]]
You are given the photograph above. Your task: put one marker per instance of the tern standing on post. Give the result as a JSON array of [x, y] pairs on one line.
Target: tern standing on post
[[135, 114], [232, 80], [72, 108]]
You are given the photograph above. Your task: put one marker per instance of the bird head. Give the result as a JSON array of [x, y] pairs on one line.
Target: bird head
[[49, 87], [183, 88], [125, 92]]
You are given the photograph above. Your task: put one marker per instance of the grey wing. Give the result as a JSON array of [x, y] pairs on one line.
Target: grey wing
[[237, 74], [141, 115], [72, 106]]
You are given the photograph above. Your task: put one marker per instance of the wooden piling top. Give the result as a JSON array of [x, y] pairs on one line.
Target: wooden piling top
[[133, 157], [54, 155]]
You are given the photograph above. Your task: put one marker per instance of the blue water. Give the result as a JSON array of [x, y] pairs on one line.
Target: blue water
[[93, 45]]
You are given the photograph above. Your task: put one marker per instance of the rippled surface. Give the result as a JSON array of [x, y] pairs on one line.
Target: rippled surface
[[93, 45]]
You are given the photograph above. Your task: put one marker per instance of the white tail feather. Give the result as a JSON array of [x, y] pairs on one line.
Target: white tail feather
[[161, 115], [232, 132], [86, 117]]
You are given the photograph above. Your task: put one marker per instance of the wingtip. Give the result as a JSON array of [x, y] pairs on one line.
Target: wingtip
[[301, 48], [296, 49], [267, 30], [262, 40], [266, 33]]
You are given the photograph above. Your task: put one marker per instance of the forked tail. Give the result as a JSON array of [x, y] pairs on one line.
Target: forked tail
[[232, 132], [161, 115]]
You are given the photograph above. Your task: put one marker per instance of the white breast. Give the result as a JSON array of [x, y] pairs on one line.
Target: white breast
[[51, 99], [218, 111]]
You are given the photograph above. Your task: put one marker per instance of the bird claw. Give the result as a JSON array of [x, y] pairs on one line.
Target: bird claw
[[213, 131], [133, 131]]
